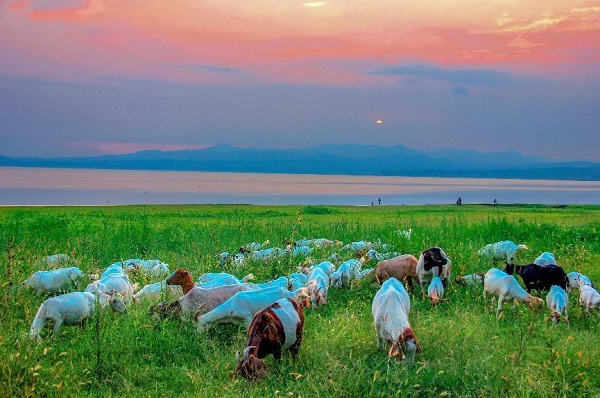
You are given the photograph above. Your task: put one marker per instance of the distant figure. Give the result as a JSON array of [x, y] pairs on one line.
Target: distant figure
[[379, 201], [372, 203], [495, 201], [459, 201]]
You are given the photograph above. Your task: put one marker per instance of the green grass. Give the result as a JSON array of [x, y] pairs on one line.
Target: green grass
[[466, 351]]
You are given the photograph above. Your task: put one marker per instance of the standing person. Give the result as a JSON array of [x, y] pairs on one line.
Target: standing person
[[459, 201], [379, 201]]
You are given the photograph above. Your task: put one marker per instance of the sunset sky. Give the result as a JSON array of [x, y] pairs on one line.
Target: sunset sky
[[91, 77]]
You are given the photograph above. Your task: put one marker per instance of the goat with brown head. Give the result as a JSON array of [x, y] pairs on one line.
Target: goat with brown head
[[272, 330]]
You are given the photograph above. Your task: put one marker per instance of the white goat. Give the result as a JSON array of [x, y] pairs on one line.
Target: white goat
[[546, 258], [558, 303], [154, 292], [589, 297], [55, 281], [326, 266], [70, 309], [435, 292], [150, 267], [116, 282], [501, 251], [346, 272], [574, 278], [296, 280], [507, 288], [390, 310], [210, 280], [241, 307], [317, 284]]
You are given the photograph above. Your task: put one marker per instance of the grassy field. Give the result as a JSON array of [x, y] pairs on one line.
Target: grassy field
[[466, 351]]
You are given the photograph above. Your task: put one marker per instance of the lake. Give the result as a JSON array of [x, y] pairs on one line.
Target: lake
[[48, 186]]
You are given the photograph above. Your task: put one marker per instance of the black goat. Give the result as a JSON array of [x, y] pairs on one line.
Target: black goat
[[539, 277]]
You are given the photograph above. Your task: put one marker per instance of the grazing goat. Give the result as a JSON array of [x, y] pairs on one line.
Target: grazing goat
[[429, 260], [317, 285], [546, 258], [296, 280], [155, 290], [475, 279], [501, 251], [507, 288], [241, 307], [116, 282], [195, 298], [54, 281], [326, 266], [574, 278], [272, 330], [346, 272], [589, 297], [390, 310], [558, 303], [210, 280], [435, 292], [149, 267], [70, 309], [539, 277], [403, 268]]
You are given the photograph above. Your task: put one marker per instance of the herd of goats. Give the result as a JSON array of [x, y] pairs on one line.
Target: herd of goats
[[274, 310]]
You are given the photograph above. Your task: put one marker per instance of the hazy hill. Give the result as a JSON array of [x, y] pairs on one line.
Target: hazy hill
[[333, 159]]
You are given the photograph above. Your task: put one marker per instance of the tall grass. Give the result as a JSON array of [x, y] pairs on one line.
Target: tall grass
[[466, 351]]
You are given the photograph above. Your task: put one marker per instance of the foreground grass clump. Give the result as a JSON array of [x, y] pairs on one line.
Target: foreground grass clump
[[466, 352]]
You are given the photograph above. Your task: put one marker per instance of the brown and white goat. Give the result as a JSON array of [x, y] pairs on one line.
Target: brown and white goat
[[390, 309], [272, 330], [194, 298]]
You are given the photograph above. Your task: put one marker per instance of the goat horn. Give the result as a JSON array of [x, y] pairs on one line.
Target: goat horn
[[247, 352]]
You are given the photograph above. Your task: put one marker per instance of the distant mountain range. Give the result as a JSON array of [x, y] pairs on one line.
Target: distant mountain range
[[347, 159]]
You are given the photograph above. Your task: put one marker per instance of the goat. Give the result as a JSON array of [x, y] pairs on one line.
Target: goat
[[390, 310], [317, 285], [475, 279], [588, 297], [242, 306], [539, 277], [574, 278], [296, 280], [149, 267], [209, 280], [546, 258], [346, 272], [70, 309], [507, 288], [155, 290], [435, 292], [116, 282], [54, 281], [272, 330], [403, 268], [326, 266], [558, 303], [195, 298], [428, 260], [501, 251]]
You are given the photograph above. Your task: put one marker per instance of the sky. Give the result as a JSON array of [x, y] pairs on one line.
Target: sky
[[91, 77]]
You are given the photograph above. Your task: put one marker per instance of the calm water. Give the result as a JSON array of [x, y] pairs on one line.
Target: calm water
[[40, 186]]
